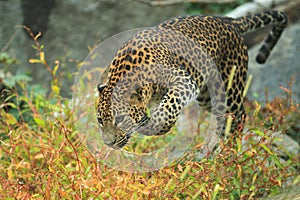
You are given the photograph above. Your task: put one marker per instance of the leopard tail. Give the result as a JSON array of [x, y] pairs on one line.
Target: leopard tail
[[252, 22]]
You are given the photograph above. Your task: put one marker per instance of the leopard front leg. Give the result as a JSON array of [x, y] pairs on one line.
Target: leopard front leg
[[163, 117]]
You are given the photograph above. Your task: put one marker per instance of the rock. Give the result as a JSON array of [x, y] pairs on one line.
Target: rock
[[33, 8], [285, 144], [282, 66], [291, 193], [74, 25]]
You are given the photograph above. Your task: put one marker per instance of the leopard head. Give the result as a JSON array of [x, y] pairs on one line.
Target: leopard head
[[119, 114]]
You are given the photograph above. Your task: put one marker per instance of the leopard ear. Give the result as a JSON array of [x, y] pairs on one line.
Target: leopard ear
[[101, 87]]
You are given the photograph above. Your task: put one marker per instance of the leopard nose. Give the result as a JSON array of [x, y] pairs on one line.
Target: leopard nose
[[111, 142], [108, 139]]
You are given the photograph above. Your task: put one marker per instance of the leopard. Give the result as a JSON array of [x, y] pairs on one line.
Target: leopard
[[161, 69]]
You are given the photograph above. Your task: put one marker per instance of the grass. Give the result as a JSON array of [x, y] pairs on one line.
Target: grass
[[42, 156]]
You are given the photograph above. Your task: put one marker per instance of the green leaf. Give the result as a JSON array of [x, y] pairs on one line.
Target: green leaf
[[196, 195], [10, 104], [34, 47], [55, 69], [277, 162], [39, 121], [296, 180], [32, 60], [259, 132], [55, 89], [185, 172], [266, 149], [252, 188], [10, 119], [216, 191], [239, 144], [148, 112]]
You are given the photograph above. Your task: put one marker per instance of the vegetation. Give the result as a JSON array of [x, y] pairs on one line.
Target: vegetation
[[42, 156]]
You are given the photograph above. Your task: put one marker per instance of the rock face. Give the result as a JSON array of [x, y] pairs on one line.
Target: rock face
[[36, 14], [73, 26], [282, 66], [292, 193]]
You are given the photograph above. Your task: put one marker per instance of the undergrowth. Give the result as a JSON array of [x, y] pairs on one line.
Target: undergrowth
[[42, 157]]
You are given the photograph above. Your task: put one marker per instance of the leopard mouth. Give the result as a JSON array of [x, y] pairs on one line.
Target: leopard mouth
[[119, 144]]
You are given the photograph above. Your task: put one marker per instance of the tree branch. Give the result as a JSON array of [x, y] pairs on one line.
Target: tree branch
[[171, 2]]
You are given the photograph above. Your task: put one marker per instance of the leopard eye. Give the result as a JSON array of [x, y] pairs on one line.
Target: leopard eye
[[136, 97], [101, 87], [100, 121], [119, 119]]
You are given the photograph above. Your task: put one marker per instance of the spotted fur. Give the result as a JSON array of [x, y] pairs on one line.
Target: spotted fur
[[161, 69]]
